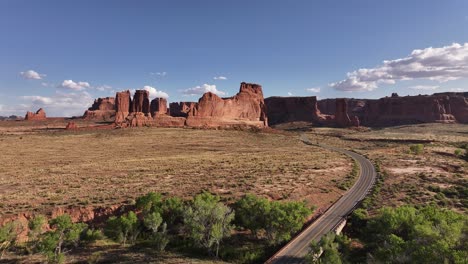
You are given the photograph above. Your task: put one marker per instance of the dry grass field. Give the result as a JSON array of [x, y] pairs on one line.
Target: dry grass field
[[435, 176], [45, 169]]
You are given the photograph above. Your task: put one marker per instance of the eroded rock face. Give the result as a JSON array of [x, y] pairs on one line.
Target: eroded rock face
[[245, 108], [141, 102], [401, 110], [181, 109], [123, 103], [102, 109], [158, 106], [106, 103], [39, 115], [408, 110], [294, 109], [71, 126], [341, 113], [137, 119]]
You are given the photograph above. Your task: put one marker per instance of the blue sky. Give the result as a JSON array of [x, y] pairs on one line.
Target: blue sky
[[60, 55]]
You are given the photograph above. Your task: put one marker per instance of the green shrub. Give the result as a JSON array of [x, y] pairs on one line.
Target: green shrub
[[151, 202], [416, 149], [208, 221], [123, 229], [8, 234], [64, 234], [278, 219]]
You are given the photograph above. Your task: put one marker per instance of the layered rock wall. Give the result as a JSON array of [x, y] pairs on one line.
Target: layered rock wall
[[245, 108], [398, 110], [102, 109], [294, 109], [158, 106], [181, 109], [140, 102]]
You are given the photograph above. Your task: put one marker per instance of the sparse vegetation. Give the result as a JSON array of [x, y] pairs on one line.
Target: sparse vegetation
[[416, 149], [109, 167], [435, 177], [8, 234]]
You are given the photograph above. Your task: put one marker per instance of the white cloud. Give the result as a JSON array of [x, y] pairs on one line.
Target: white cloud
[[424, 87], [59, 104], [103, 88], [160, 74], [154, 93], [37, 99], [313, 90], [220, 78], [458, 90], [436, 64], [32, 75], [290, 94], [205, 88], [77, 86]]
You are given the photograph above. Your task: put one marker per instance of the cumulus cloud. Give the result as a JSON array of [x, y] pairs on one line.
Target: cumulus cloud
[[59, 104], [205, 88], [290, 94], [77, 86], [437, 64], [32, 75], [154, 93], [220, 78], [103, 88], [37, 99], [313, 90], [425, 87]]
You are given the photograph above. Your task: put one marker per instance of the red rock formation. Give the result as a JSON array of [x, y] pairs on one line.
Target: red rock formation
[[328, 106], [181, 109], [141, 102], [341, 114], [168, 121], [71, 126], [294, 109], [158, 106], [39, 115], [137, 119], [408, 110], [107, 103], [398, 110], [245, 108], [123, 103], [102, 109]]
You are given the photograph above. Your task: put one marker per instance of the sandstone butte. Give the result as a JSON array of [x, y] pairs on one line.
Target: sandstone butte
[[39, 115], [103, 109], [249, 108]]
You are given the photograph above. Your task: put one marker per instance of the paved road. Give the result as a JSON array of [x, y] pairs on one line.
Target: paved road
[[298, 248]]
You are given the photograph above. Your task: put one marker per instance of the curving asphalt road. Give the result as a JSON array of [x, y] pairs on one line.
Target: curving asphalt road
[[296, 250]]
